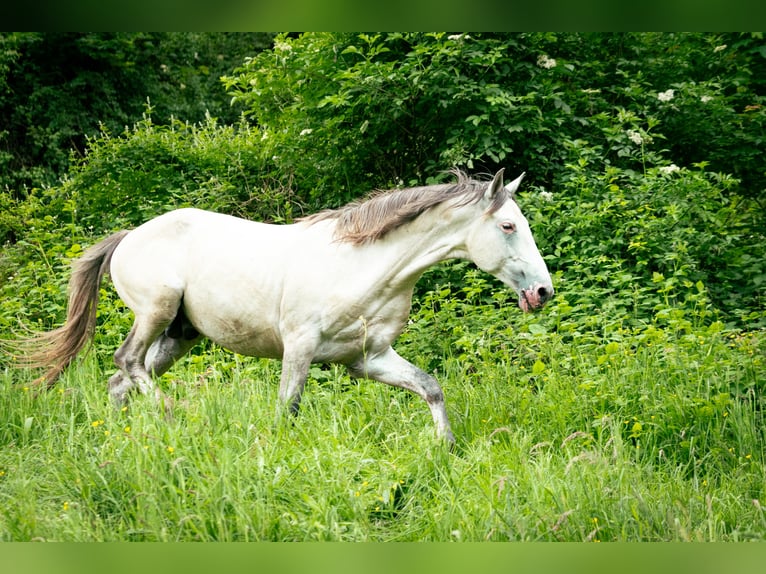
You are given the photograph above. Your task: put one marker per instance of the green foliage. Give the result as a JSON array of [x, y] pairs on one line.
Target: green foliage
[[402, 107], [34, 270], [629, 244], [606, 440], [399, 108], [58, 89], [208, 165]]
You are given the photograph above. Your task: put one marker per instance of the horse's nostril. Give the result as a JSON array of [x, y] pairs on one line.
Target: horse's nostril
[[544, 293]]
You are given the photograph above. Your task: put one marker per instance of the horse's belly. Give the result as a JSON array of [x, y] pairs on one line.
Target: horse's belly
[[239, 332], [254, 344]]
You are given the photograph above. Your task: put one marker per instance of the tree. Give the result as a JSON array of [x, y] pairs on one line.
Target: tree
[[59, 89], [344, 112]]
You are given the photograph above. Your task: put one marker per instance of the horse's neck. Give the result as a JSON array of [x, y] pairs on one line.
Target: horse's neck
[[435, 236]]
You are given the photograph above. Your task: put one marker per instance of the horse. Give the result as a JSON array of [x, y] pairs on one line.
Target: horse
[[332, 287]]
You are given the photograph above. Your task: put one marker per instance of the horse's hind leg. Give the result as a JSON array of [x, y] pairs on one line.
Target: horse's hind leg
[[166, 350], [130, 358], [162, 354]]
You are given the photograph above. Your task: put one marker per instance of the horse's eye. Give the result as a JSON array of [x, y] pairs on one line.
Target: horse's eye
[[508, 226]]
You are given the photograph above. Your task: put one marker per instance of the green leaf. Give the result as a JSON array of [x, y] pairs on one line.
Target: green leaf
[[537, 329], [612, 348]]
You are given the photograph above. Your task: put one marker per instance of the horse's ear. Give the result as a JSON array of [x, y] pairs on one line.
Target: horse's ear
[[514, 185], [494, 187]]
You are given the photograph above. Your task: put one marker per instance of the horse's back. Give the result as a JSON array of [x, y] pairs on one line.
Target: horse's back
[[226, 271], [187, 223]]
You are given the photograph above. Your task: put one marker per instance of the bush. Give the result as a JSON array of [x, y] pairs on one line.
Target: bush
[[125, 180], [397, 109], [400, 108], [56, 89], [643, 241]]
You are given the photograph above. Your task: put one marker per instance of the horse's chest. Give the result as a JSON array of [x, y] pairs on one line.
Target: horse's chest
[[347, 340]]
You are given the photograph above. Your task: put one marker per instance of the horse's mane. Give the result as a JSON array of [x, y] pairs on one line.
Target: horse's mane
[[383, 211]]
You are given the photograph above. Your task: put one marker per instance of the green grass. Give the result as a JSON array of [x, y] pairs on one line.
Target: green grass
[[651, 435]]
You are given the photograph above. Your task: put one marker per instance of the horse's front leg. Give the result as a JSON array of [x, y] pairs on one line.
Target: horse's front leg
[[390, 368], [295, 370]]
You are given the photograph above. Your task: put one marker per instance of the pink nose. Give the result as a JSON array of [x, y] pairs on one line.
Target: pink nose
[[535, 297]]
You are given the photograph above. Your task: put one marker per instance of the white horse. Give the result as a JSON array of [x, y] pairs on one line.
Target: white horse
[[335, 287]]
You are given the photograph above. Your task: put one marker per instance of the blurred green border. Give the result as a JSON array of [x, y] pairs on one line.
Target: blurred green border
[[446, 558], [391, 15]]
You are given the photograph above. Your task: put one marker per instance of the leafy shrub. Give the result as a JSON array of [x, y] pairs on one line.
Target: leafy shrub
[[56, 89], [639, 243], [399, 108], [125, 180]]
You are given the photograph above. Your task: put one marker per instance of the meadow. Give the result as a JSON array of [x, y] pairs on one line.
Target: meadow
[[654, 435]]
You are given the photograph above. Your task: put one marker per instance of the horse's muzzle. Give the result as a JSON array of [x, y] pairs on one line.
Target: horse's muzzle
[[535, 297]]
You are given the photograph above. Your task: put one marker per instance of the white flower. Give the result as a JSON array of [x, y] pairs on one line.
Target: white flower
[[546, 195], [545, 62], [720, 48], [706, 99], [668, 169], [666, 96], [456, 37], [282, 47], [635, 137], [306, 132]]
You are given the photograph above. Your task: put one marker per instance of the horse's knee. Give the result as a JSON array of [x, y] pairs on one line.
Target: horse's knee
[[434, 396], [429, 388]]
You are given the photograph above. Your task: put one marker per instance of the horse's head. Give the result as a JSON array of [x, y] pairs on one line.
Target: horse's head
[[500, 242]]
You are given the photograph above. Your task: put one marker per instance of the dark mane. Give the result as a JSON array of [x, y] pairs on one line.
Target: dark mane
[[383, 211]]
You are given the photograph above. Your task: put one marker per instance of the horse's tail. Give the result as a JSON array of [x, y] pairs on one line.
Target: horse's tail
[[55, 349]]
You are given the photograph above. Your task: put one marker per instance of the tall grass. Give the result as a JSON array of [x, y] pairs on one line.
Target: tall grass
[[652, 437]]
